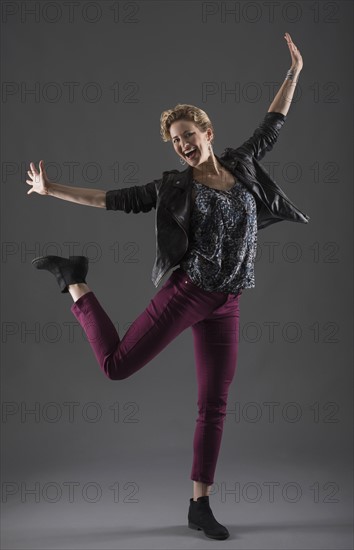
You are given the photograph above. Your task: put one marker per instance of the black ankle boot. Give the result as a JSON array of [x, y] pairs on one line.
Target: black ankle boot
[[66, 271], [201, 517]]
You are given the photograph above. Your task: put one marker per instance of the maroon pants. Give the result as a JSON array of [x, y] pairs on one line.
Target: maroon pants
[[179, 304]]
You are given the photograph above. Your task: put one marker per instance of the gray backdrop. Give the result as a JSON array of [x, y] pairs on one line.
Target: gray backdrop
[[91, 463]]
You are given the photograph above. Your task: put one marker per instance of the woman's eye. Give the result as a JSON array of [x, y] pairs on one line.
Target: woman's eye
[[188, 134]]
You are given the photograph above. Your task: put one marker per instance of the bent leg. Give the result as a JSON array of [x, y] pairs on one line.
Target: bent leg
[[216, 348], [99, 329], [176, 306]]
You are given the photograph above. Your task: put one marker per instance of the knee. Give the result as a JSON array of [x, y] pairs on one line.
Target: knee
[[114, 371], [212, 411], [115, 375]]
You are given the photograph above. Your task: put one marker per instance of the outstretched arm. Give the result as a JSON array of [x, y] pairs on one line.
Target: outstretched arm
[[281, 102], [81, 195], [138, 198]]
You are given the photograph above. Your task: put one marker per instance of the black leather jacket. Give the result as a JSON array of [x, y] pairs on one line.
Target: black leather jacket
[[171, 195]]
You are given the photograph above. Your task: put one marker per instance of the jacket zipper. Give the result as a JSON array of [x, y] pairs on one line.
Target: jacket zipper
[[280, 193], [181, 226]]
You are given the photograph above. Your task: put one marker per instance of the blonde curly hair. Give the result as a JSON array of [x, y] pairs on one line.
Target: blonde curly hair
[[185, 112]]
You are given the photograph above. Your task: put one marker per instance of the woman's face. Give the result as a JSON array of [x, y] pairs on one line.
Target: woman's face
[[186, 136]]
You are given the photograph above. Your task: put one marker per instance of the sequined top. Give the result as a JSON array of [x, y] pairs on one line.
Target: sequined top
[[222, 239]]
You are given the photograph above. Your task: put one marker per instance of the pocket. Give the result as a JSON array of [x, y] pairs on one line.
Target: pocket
[[186, 282]]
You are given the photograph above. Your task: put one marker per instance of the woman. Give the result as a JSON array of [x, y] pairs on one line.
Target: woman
[[206, 221]]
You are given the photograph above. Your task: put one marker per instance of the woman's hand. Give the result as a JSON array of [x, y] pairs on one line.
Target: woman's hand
[[39, 181], [296, 59]]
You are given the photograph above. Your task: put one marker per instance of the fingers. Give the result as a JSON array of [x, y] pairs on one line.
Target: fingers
[[35, 177], [289, 40], [33, 168], [32, 174]]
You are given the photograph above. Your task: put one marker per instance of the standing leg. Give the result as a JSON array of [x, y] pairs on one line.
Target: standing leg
[[200, 489], [216, 347]]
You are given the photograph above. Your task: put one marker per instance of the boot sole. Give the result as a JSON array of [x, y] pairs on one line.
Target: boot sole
[[197, 528], [39, 259], [70, 258], [194, 526]]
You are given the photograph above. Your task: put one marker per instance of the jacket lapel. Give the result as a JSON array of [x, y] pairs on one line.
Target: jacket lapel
[[184, 179], [179, 190], [178, 195]]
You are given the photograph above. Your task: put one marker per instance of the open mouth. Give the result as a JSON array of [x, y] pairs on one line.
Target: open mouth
[[191, 154]]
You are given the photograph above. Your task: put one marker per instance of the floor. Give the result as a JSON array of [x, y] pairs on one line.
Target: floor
[[151, 512]]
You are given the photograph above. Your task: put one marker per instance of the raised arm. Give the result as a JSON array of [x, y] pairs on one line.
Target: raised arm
[[267, 132], [263, 138], [281, 102]]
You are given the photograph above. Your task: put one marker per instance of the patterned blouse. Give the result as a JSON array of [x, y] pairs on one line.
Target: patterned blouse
[[222, 239]]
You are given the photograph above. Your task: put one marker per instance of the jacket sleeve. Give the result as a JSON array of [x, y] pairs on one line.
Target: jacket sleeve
[[138, 198], [264, 137]]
